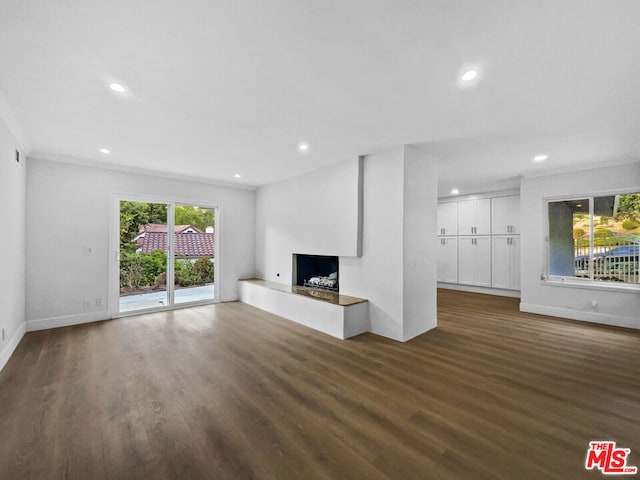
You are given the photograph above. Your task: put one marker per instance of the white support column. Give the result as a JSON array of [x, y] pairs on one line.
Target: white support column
[[419, 237]]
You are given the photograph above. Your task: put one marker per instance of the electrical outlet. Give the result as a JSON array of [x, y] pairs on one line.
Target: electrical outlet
[[98, 302], [86, 304]]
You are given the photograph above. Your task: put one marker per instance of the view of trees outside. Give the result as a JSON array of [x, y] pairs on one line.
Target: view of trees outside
[[140, 271], [626, 220]]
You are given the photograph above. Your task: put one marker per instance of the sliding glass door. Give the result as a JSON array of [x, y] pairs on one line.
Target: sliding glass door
[[166, 255]]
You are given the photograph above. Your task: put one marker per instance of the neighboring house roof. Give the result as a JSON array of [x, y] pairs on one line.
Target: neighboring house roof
[[162, 228], [189, 241]]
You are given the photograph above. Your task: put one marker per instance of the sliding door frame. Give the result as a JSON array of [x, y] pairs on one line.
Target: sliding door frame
[[114, 251]]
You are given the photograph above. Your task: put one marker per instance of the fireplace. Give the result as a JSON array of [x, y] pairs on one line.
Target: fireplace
[[316, 271]]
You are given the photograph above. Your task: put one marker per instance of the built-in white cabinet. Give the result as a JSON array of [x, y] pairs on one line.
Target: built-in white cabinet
[[505, 215], [479, 242], [448, 259], [448, 218], [505, 264], [474, 261], [474, 217]]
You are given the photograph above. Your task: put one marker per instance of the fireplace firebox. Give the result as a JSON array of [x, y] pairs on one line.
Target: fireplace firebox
[[316, 271]]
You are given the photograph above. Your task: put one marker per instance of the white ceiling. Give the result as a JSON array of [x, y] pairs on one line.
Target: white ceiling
[[224, 87]]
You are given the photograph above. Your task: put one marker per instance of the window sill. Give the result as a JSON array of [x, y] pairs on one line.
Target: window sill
[[590, 285]]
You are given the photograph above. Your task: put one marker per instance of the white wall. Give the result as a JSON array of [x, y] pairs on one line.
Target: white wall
[[68, 211], [399, 211], [377, 274], [615, 308], [12, 212], [314, 214], [420, 258]]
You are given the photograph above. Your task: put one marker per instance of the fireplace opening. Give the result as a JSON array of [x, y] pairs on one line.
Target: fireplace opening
[[316, 271]]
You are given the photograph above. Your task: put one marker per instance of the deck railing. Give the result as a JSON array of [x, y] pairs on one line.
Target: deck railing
[[616, 257]]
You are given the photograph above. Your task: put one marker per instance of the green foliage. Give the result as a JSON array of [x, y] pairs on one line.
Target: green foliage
[[131, 270], [188, 274], [135, 214], [154, 263], [184, 274], [139, 269], [602, 231], [577, 233], [629, 207], [161, 281], [203, 268], [630, 224], [604, 220], [196, 217], [579, 216]]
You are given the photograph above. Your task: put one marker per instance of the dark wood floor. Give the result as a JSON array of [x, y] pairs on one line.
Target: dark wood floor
[[228, 391]]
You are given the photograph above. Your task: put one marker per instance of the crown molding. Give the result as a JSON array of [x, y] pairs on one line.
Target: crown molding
[[579, 168], [83, 162]]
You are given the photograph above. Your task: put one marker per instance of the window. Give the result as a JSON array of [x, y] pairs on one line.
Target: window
[[595, 239]]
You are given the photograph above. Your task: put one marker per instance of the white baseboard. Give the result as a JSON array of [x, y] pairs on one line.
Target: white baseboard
[[594, 317], [230, 298], [66, 320], [486, 290], [10, 347]]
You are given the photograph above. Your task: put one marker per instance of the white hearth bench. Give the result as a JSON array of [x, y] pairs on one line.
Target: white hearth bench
[[338, 315]]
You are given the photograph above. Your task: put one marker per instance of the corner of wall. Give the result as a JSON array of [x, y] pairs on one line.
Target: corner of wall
[[13, 209], [10, 347]]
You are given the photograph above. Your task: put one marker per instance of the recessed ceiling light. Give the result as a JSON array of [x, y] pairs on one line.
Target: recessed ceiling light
[[303, 147], [540, 158], [455, 191], [579, 205], [105, 151], [469, 75], [116, 87], [237, 175]]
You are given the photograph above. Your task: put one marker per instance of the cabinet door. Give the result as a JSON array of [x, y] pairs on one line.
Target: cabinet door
[[448, 259], [501, 265], [515, 263], [506, 263], [505, 215], [482, 274], [466, 260], [474, 261], [474, 217], [448, 218]]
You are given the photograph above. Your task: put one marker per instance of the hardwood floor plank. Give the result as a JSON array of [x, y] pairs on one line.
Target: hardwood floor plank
[[232, 392]]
